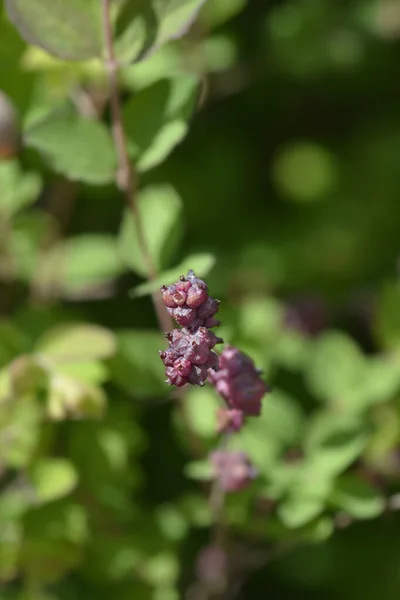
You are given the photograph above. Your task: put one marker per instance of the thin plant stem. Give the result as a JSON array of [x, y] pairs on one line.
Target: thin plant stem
[[126, 177]]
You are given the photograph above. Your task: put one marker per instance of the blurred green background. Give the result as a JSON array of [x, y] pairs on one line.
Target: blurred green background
[[267, 142]]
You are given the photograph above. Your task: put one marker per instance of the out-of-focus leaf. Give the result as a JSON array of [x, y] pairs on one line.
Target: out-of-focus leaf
[[175, 17], [53, 478], [17, 189], [200, 411], [20, 420], [26, 375], [156, 118], [297, 510], [172, 522], [81, 149], [135, 29], [77, 342], [357, 498], [336, 367], [10, 545], [334, 441], [137, 367], [71, 30], [88, 261], [160, 209], [73, 397], [201, 264], [86, 372], [161, 569], [200, 470]]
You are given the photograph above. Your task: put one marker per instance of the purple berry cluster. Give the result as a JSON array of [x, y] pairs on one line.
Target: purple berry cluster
[[190, 354], [239, 383]]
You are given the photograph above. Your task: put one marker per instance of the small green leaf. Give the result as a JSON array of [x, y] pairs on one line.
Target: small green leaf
[[161, 569], [334, 441], [71, 30], [72, 398], [357, 498], [20, 422], [160, 209], [77, 342], [135, 29], [175, 17], [200, 411], [336, 367], [299, 509], [88, 261], [17, 189], [93, 373], [200, 263], [53, 478], [81, 149], [200, 470], [156, 118]]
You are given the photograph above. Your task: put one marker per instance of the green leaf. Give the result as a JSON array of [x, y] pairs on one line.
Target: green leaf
[[135, 29], [20, 422], [334, 441], [200, 470], [76, 342], [71, 30], [86, 372], [53, 478], [200, 263], [17, 189], [175, 17], [81, 149], [156, 117], [88, 261], [200, 411], [160, 209], [137, 367], [299, 509], [73, 397], [357, 498], [336, 367]]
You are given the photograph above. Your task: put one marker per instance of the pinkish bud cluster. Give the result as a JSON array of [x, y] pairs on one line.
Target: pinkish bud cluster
[[239, 382], [232, 469], [189, 304], [190, 355]]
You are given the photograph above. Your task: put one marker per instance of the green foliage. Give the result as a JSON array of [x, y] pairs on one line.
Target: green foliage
[[71, 31], [156, 119], [160, 209], [257, 162], [80, 149]]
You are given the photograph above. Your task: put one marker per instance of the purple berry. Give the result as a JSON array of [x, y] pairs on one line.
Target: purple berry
[[239, 382], [189, 355]]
